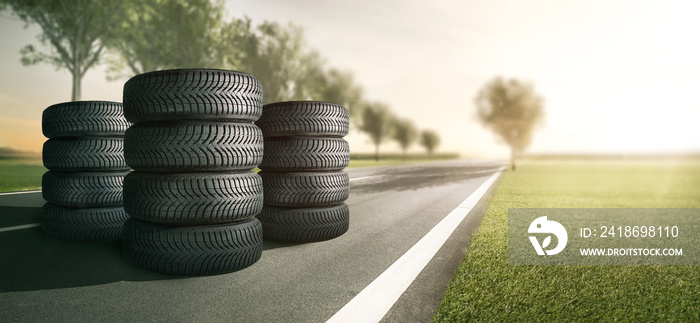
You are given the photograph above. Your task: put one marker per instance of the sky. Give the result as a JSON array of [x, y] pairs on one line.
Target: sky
[[617, 77]]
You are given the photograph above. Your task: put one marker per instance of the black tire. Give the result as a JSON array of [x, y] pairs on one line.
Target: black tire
[[192, 94], [86, 225], [305, 154], [84, 118], [295, 190], [84, 154], [305, 225], [193, 199], [193, 146], [304, 118], [83, 190], [194, 250]]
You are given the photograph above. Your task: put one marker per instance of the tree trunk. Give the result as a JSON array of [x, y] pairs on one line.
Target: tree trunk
[[77, 80], [376, 152], [512, 158]]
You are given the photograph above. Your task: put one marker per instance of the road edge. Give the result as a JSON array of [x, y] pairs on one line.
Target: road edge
[[377, 298]]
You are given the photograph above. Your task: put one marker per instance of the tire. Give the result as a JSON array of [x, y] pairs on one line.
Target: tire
[[304, 118], [305, 225], [84, 154], [305, 154], [84, 118], [192, 94], [295, 190], [86, 225], [193, 199], [194, 250], [193, 146], [83, 190]]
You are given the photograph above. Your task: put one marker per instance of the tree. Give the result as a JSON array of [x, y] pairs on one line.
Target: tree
[[376, 122], [164, 34], [340, 87], [73, 33], [405, 134], [430, 140], [512, 110], [277, 56]]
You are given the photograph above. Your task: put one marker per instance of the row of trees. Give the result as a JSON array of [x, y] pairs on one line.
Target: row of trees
[[133, 37], [380, 123]]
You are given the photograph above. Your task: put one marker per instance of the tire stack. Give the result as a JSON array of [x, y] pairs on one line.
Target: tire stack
[[305, 187], [85, 158], [193, 195]]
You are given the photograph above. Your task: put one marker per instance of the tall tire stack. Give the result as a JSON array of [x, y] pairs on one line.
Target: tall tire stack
[[85, 158], [305, 187], [193, 195]]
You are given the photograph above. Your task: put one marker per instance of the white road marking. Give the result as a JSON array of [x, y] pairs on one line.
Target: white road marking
[[359, 178], [373, 302], [22, 192], [19, 227]]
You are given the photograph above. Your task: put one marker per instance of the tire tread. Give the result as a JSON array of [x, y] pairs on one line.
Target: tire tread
[[193, 146], [298, 190], [193, 250], [194, 198], [192, 94], [306, 224], [303, 154], [304, 118], [86, 225]]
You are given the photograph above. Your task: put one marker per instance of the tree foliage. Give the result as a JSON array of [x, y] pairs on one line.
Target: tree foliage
[[141, 36], [73, 33], [340, 87], [512, 110], [404, 133], [430, 140], [278, 57], [377, 122], [165, 34]]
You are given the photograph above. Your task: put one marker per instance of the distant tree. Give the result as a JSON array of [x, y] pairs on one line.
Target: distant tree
[[278, 57], [430, 140], [376, 122], [512, 110], [73, 32], [164, 34], [239, 44], [405, 134], [340, 87]]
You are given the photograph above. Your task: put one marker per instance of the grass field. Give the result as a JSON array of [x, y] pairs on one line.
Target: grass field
[[486, 288], [21, 174]]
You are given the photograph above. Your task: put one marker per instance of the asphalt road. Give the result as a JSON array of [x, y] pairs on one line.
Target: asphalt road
[[391, 208]]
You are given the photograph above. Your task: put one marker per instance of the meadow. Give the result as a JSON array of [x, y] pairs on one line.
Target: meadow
[[486, 288]]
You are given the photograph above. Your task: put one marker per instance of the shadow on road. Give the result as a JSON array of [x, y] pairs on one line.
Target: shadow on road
[[272, 244], [31, 260]]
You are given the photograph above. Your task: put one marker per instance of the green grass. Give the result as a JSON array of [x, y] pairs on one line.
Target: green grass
[[20, 174], [486, 288]]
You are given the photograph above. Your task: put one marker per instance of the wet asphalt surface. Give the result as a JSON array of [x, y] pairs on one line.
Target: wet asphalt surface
[[48, 280]]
